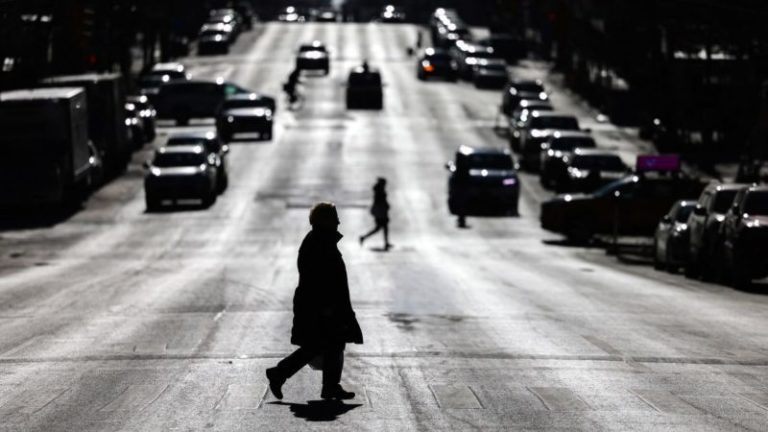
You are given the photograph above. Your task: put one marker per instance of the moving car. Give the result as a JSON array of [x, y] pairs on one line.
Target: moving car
[[630, 206], [146, 114], [136, 134], [185, 100], [518, 90], [392, 14], [246, 113], [149, 82], [212, 144], [326, 15], [744, 234], [364, 89], [482, 180], [227, 16], [587, 169], [215, 39], [291, 14], [670, 241], [436, 63], [704, 226], [560, 145], [507, 46], [490, 73], [313, 56], [180, 173], [536, 130], [468, 55]]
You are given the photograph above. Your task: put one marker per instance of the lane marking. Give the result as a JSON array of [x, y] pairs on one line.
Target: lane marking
[[559, 399], [135, 397]]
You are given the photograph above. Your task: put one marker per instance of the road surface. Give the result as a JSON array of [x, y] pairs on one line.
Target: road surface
[[119, 320]]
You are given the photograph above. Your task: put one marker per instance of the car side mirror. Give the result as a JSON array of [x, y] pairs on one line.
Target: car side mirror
[[450, 166], [225, 149], [666, 219], [146, 165], [699, 211]]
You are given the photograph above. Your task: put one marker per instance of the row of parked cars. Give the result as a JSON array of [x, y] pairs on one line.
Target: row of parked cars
[[719, 237], [223, 27]]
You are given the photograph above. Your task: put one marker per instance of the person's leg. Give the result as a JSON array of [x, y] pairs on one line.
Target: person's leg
[[385, 227], [288, 366], [370, 233], [333, 363]]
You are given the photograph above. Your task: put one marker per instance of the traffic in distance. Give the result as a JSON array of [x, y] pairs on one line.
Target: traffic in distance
[[89, 128]]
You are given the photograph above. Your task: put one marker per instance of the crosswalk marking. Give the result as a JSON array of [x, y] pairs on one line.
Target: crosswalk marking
[[455, 396], [243, 397], [31, 400], [665, 401], [559, 399]]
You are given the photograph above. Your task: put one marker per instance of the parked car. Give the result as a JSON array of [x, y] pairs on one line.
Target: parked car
[[227, 16], [213, 145], [326, 15], [246, 113], [468, 55], [180, 173], [364, 89], [185, 100], [292, 14], [704, 226], [436, 63], [536, 130], [482, 180], [744, 235], [670, 241], [490, 73], [587, 169], [149, 82], [510, 47], [553, 153], [392, 14], [313, 56], [525, 107], [630, 206], [146, 113], [215, 39], [247, 14], [136, 133], [518, 90]]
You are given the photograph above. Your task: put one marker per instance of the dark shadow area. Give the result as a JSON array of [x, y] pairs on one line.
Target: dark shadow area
[[319, 410], [564, 242], [179, 208], [37, 218], [381, 249]]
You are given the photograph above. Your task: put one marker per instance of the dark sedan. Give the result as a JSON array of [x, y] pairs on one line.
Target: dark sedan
[[364, 89], [744, 234], [482, 180], [313, 56], [518, 90], [670, 242], [146, 114], [185, 100], [436, 63], [246, 113], [180, 173], [212, 144], [561, 145], [630, 206], [587, 169], [535, 131], [490, 73]]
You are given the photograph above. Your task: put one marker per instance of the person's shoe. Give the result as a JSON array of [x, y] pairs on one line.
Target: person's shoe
[[336, 392], [362, 239], [275, 383], [388, 246]]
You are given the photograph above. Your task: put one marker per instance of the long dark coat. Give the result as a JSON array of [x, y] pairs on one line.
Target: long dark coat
[[322, 311]]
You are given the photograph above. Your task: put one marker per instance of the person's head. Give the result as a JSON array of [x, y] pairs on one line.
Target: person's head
[[323, 217], [381, 181]]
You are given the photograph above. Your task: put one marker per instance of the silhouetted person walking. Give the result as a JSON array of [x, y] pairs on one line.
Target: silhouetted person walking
[[323, 319], [380, 212]]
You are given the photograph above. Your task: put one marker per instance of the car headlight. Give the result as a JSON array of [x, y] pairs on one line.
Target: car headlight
[[155, 171], [578, 173], [230, 119], [512, 181], [753, 223]]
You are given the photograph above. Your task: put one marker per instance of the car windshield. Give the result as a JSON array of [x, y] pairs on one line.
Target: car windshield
[[213, 32], [562, 123], [683, 212], [490, 161], [598, 162], [494, 67], [756, 203], [529, 88], [481, 55], [568, 144], [441, 57], [210, 145], [723, 200], [306, 48], [169, 160], [621, 185]]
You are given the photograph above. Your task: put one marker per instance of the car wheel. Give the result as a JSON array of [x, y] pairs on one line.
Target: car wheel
[[657, 262], [224, 183], [153, 204], [209, 200], [580, 232], [739, 280]]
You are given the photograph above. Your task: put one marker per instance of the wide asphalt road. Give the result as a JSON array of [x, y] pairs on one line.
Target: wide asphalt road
[[119, 320]]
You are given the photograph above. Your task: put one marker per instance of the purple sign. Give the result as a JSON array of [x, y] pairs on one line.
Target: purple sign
[[658, 163]]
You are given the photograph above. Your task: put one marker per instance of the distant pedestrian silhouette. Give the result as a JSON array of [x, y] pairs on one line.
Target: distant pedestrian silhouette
[[323, 319], [380, 212]]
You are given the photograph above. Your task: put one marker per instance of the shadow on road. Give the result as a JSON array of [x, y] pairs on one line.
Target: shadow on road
[[319, 410]]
